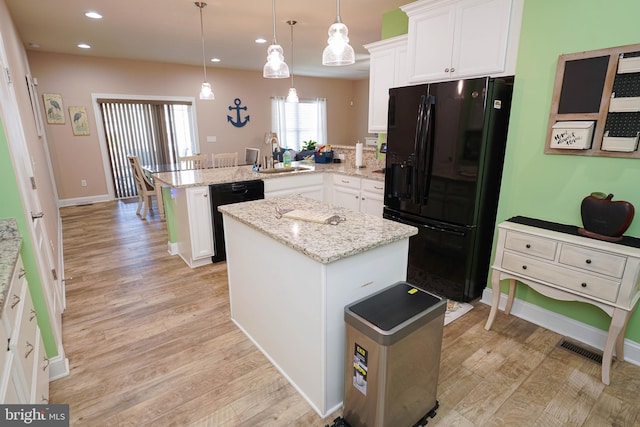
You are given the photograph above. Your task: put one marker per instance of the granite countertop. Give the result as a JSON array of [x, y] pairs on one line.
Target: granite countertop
[[200, 177], [10, 242], [324, 243]]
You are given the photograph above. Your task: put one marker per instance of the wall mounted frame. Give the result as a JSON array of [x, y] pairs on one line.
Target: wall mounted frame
[[585, 91]]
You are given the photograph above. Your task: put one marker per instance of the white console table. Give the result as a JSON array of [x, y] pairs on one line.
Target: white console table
[[556, 261]]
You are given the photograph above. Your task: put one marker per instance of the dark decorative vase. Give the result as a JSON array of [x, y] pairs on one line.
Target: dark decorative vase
[[605, 219]]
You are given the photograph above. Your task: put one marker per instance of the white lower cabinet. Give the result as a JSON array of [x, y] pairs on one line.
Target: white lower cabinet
[[309, 185], [358, 194], [23, 378], [193, 226]]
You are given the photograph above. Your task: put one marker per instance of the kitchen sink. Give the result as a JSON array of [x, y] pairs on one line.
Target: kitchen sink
[[285, 170]]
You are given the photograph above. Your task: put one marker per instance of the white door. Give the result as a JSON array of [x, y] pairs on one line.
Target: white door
[[49, 274]]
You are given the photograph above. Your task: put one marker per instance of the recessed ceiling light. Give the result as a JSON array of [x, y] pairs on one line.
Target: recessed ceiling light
[[215, 59], [34, 45], [261, 40], [93, 15], [84, 46]]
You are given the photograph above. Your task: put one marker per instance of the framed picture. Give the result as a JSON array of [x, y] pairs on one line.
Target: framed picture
[[53, 108], [79, 121]]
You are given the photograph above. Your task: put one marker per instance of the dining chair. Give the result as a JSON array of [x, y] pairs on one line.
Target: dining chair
[[197, 161], [251, 156], [146, 188], [225, 160]]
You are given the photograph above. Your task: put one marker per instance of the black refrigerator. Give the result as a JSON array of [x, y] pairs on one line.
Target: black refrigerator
[[445, 150]]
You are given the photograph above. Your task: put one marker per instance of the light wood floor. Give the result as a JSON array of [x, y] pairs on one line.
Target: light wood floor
[[150, 342]]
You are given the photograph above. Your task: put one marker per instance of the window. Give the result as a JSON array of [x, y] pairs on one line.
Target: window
[[295, 123]]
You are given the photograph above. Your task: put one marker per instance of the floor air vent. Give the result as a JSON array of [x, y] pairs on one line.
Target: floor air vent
[[580, 350]]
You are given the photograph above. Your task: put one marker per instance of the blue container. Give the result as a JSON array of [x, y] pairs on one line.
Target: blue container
[[326, 157]]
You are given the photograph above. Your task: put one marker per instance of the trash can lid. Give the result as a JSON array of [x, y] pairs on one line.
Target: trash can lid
[[394, 305]]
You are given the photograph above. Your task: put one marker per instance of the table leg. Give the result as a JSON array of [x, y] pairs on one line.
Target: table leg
[[618, 323], [511, 297], [495, 287]]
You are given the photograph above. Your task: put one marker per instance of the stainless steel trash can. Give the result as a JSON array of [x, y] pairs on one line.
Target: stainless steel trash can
[[392, 357]]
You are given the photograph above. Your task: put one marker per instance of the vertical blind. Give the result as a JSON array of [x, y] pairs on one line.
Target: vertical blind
[[297, 122], [150, 130]]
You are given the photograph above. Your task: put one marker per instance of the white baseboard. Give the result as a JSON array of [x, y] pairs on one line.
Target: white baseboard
[[58, 368], [563, 325], [172, 248], [84, 200]]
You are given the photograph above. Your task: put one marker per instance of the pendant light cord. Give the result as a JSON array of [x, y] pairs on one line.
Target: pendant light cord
[[201, 5], [338, 19], [291, 24], [273, 17]]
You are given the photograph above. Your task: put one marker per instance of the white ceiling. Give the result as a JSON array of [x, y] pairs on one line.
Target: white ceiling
[[169, 30]]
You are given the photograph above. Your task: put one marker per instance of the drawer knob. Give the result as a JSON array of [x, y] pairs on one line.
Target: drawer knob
[[528, 246], [583, 284], [588, 261], [524, 267]]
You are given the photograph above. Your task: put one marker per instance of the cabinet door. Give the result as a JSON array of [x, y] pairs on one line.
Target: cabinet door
[[481, 37], [199, 211], [347, 198], [430, 44], [371, 203], [381, 78], [387, 69]]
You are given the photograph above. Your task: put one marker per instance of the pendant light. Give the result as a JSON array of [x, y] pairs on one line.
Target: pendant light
[[275, 68], [338, 51], [293, 95], [205, 90]]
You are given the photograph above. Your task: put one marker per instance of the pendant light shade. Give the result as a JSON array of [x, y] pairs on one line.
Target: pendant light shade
[[206, 92], [338, 51], [293, 94], [275, 68]]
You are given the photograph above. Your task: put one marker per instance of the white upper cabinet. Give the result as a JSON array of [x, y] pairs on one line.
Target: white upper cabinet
[[387, 69], [461, 39]]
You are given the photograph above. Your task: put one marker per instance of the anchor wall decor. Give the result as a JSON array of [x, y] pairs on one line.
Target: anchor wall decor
[[239, 121]]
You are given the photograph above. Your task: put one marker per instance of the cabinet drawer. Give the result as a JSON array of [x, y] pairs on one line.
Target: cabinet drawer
[[581, 283], [346, 181], [589, 259], [23, 340], [14, 297], [373, 186], [531, 245]]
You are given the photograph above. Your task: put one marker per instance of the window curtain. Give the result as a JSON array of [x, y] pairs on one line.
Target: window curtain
[[321, 104], [146, 129], [279, 119]]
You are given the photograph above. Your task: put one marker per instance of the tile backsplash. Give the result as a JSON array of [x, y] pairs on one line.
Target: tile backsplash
[[369, 155]]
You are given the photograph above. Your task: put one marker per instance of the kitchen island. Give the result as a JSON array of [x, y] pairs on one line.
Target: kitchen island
[[290, 279]]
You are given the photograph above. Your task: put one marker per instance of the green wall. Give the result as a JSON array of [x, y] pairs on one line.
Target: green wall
[[11, 207], [551, 187], [394, 23]]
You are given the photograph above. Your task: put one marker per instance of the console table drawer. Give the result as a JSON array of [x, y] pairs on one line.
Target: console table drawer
[[583, 283], [588, 259], [531, 245]]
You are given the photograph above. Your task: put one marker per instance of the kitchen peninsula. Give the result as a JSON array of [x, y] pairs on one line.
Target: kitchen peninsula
[[290, 279], [188, 206]]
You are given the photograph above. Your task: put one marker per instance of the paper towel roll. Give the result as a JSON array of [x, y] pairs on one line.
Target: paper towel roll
[[359, 146]]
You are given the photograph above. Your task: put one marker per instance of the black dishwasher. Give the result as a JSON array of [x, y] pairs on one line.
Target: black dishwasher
[[226, 194]]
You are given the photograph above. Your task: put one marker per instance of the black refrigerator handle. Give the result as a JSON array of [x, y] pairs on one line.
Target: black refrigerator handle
[[416, 193], [424, 147]]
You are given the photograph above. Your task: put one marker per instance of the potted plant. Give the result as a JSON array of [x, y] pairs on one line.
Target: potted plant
[[308, 149]]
